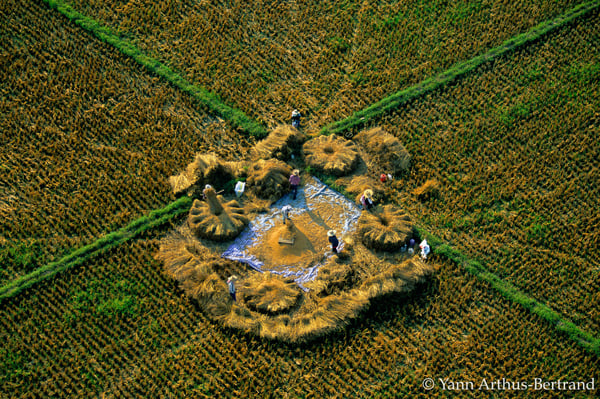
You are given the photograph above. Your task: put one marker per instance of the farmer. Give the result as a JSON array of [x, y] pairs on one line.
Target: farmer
[[206, 188], [367, 200], [425, 249], [295, 181], [385, 177], [231, 286], [411, 245], [296, 115], [285, 210], [333, 240]]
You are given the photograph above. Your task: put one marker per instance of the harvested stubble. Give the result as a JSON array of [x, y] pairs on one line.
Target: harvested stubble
[[215, 219], [331, 155], [386, 228], [268, 179], [87, 137], [385, 150], [515, 150], [269, 57], [281, 143]]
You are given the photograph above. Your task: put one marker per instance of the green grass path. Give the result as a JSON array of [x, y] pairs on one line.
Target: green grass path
[[362, 117], [98, 247], [513, 294]]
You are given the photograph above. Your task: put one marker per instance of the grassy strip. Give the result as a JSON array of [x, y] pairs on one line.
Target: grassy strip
[[360, 118], [236, 117], [111, 240], [510, 292]]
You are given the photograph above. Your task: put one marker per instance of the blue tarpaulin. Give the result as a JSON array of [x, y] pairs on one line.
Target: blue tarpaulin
[[342, 215]]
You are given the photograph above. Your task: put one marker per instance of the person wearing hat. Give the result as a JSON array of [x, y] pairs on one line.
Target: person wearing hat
[[296, 115], [333, 240], [295, 181], [231, 286], [367, 200], [425, 249], [285, 212], [206, 188]]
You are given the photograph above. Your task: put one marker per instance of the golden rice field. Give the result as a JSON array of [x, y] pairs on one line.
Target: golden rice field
[[117, 327], [89, 139], [326, 58], [515, 148]]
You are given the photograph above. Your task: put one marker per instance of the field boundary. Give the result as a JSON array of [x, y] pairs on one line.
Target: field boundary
[[583, 338], [235, 116], [100, 246], [362, 117]]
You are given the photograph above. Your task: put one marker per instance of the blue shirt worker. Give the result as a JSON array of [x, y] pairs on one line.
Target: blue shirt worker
[[333, 240], [231, 286], [296, 115]]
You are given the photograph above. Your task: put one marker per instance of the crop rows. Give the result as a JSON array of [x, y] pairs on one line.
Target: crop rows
[[328, 59], [515, 149], [139, 227], [89, 139], [511, 146], [118, 328]]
